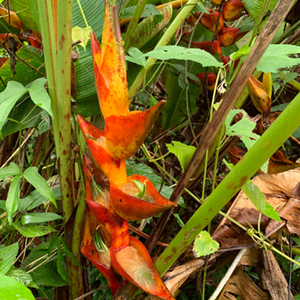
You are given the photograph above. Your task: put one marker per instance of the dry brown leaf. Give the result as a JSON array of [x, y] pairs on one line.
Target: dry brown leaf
[[278, 190], [274, 278], [241, 285]]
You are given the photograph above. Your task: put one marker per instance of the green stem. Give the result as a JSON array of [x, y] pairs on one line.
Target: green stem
[[163, 42], [265, 146], [147, 154], [82, 13], [133, 23], [48, 35], [286, 33]]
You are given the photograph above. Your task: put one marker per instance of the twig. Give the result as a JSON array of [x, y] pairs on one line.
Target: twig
[[227, 275], [92, 292]]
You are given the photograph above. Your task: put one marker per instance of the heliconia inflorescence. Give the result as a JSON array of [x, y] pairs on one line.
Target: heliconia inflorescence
[[126, 198]]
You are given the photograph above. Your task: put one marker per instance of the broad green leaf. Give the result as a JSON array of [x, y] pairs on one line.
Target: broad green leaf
[[2, 204], [31, 174], [35, 199], [199, 7], [44, 124], [11, 170], [204, 244], [259, 200], [176, 52], [257, 9], [136, 56], [24, 13], [182, 151], [53, 243], [149, 10], [81, 34], [61, 264], [40, 96], [16, 91], [30, 218], [243, 128], [178, 219], [23, 277], [12, 201], [24, 115], [33, 230], [148, 28], [24, 74], [276, 57], [47, 273], [12, 289], [8, 255], [86, 95]]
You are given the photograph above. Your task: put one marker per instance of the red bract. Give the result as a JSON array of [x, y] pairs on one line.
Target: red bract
[[127, 205], [210, 20], [214, 46], [101, 260], [211, 79], [232, 9], [135, 264], [230, 35]]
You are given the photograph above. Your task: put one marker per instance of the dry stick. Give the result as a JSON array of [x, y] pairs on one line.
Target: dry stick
[[209, 133], [227, 275]]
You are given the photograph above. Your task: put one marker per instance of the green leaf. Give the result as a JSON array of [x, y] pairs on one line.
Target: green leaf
[[47, 273], [31, 174], [30, 218], [24, 115], [53, 242], [81, 34], [44, 124], [13, 92], [61, 264], [149, 10], [259, 200], [25, 14], [69, 253], [24, 74], [22, 277], [40, 96], [204, 244], [33, 230], [35, 199], [276, 57], [2, 205], [136, 56], [11, 289], [149, 27], [11, 170], [257, 9], [12, 201], [8, 255], [176, 52], [178, 219], [183, 152]]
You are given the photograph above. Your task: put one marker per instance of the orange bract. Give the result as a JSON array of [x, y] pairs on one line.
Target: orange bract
[[110, 68], [128, 206], [135, 264]]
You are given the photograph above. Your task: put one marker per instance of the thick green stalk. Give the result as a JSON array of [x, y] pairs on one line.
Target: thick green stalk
[[163, 42], [267, 144], [63, 90], [48, 35], [134, 22]]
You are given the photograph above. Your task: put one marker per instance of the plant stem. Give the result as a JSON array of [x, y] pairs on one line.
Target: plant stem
[[163, 41], [133, 23], [82, 13], [227, 275], [267, 144], [48, 35]]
